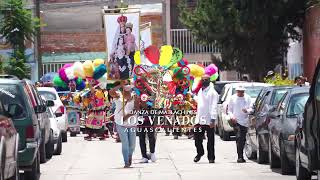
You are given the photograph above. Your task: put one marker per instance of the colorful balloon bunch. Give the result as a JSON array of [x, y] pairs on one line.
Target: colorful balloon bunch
[[83, 75]]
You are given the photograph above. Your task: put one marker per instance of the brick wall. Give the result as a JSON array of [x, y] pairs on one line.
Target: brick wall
[[73, 41]]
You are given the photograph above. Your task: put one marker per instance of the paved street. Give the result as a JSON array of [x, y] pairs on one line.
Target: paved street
[[101, 160]]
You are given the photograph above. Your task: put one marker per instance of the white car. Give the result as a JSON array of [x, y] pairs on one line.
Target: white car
[[57, 139], [252, 89], [59, 109]]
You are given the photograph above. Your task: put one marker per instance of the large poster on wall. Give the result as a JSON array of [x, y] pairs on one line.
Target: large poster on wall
[[122, 39]]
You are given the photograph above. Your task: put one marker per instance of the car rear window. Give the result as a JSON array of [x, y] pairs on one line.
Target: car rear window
[[219, 87], [297, 103], [277, 95], [48, 95], [11, 96]]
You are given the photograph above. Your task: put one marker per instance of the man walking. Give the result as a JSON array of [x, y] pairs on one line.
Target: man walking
[[206, 115], [239, 108]]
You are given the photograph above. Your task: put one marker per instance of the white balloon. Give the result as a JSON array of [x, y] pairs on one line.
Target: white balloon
[[78, 69]]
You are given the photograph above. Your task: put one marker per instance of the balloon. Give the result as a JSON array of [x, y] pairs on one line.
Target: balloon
[[97, 62], [63, 75], [174, 66], [165, 55], [214, 77], [178, 74], [66, 66], [70, 73], [103, 79], [196, 70], [88, 68], [211, 69], [177, 55], [57, 81], [167, 77], [78, 69], [99, 71], [137, 58], [153, 54]]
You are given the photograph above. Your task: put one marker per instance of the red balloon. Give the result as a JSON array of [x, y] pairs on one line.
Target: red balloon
[[153, 54]]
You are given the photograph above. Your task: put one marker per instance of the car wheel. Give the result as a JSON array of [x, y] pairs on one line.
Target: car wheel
[[3, 157], [248, 150], [301, 172], [16, 176], [262, 156], [273, 159], [59, 146], [42, 150], [225, 135], [286, 168], [73, 134], [64, 136], [34, 173], [50, 147]]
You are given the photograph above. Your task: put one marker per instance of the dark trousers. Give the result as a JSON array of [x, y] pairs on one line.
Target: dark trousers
[[143, 130], [198, 140], [241, 132]]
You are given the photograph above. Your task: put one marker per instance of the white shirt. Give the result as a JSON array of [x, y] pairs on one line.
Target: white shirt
[[207, 100], [235, 107], [129, 107]]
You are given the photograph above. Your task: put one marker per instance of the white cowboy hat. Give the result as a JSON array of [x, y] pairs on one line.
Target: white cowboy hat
[[240, 88]]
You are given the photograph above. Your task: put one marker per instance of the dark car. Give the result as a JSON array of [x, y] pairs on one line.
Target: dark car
[[9, 144], [219, 85], [282, 128], [46, 150], [18, 104], [257, 144], [308, 134]]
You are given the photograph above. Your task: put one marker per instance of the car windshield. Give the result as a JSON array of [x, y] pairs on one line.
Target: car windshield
[[219, 87], [296, 104], [252, 91], [48, 95], [277, 95], [12, 100]]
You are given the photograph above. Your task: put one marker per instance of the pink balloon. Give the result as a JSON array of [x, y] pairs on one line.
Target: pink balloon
[[66, 66], [211, 69]]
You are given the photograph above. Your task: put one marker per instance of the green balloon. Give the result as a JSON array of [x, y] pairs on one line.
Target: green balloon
[[214, 77], [57, 81], [177, 55]]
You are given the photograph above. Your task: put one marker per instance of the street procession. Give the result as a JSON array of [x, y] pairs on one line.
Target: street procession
[[159, 89]]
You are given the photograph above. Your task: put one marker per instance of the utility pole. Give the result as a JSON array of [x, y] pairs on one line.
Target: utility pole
[[37, 42]]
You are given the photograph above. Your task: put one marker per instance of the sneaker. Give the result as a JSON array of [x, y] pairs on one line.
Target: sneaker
[[126, 166], [153, 157], [241, 160], [197, 158], [211, 161], [144, 160], [130, 160]]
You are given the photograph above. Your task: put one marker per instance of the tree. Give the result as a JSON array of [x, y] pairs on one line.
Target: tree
[[253, 35], [17, 27]]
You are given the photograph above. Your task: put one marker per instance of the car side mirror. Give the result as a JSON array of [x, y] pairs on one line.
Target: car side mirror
[[15, 110], [50, 103], [40, 109], [58, 114], [275, 115]]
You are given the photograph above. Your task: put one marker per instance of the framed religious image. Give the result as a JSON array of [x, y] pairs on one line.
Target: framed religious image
[[122, 40], [145, 35]]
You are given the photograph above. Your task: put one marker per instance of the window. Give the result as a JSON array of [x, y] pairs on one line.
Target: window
[[277, 95], [296, 104], [48, 95], [13, 101], [262, 101]]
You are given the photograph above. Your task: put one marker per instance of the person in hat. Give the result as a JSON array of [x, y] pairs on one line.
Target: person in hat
[[207, 100], [239, 108]]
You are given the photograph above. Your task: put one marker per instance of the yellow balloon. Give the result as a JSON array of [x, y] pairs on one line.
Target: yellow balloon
[[174, 66], [88, 68], [97, 62], [137, 57], [196, 70], [165, 55]]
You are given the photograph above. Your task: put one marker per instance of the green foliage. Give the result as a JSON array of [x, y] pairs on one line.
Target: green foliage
[[277, 80], [253, 35], [16, 66]]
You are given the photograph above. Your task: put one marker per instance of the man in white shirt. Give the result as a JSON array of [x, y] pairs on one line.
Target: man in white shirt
[[239, 108], [207, 100]]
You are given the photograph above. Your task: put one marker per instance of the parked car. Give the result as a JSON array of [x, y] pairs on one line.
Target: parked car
[[46, 150], [282, 128], [252, 89], [308, 134], [257, 143], [9, 142], [57, 139], [58, 109], [23, 110], [219, 85]]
